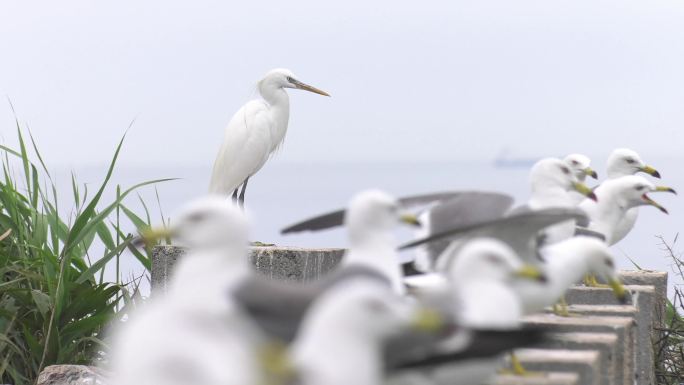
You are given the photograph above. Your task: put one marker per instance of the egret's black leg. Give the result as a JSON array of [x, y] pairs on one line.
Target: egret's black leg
[[242, 193], [235, 194]]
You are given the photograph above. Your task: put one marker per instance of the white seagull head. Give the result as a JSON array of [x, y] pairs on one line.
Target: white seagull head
[[551, 174], [373, 212], [580, 166], [624, 161]]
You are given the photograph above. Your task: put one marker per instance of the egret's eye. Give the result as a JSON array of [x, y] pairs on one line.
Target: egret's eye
[[289, 79], [565, 170], [630, 161]]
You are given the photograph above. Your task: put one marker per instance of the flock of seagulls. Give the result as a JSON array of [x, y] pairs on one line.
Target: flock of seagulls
[[449, 316]]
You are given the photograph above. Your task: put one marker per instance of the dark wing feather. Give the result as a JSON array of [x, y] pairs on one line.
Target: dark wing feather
[[589, 233]]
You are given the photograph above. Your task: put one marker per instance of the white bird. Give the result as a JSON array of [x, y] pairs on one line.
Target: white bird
[[370, 219], [193, 333], [254, 133], [342, 337], [623, 162], [567, 262], [580, 165], [551, 182], [616, 198]]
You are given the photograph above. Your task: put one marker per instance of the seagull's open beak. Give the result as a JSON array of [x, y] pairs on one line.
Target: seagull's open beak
[[306, 87], [410, 219], [618, 289], [151, 235], [427, 320], [584, 190], [590, 172], [650, 171], [653, 203], [531, 272], [666, 189]]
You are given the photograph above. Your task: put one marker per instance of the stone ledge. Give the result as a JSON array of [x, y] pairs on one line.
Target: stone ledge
[[553, 378], [583, 362], [604, 343]]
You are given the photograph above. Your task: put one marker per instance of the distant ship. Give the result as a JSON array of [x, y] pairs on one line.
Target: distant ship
[[506, 160]]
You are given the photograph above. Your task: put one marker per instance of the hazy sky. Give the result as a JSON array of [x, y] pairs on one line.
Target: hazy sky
[[412, 81]]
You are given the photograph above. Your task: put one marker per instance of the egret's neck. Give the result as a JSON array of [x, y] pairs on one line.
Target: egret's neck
[[279, 103]]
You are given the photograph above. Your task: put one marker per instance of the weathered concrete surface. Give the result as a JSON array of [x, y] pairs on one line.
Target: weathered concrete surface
[[622, 327], [553, 378], [583, 362], [645, 300], [71, 375], [604, 343], [288, 263]]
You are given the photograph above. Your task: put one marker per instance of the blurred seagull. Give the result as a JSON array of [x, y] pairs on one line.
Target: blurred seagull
[[580, 165], [254, 133], [623, 162], [190, 333], [342, 337], [616, 198]]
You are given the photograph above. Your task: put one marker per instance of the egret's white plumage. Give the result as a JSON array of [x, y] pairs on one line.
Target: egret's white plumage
[[551, 182], [254, 133], [616, 198], [188, 334], [623, 162]]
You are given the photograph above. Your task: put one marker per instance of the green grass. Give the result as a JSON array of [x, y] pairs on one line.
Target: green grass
[[54, 301]]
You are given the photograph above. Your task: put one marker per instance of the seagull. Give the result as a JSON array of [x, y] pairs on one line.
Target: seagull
[[623, 162], [190, 333], [580, 165], [254, 133], [616, 198], [551, 182], [342, 336]]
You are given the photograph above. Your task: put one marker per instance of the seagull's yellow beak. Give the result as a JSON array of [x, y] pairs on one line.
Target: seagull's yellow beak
[[427, 320], [666, 189], [590, 172], [653, 203], [584, 190], [306, 87], [531, 272], [618, 289], [410, 219], [650, 171]]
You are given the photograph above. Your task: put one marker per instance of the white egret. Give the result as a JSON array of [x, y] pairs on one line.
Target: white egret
[[616, 198], [254, 133], [623, 162]]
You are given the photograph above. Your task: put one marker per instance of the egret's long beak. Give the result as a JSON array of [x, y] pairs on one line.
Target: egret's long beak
[[618, 289], [410, 219], [653, 203], [590, 172], [650, 171], [585, 190], [151, 235], [666, 189], [306, 87], [427, 320], [531, 272]]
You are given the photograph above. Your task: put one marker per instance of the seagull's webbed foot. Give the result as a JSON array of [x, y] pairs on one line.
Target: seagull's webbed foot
[[561, 309], [517, 369], [590, 281]]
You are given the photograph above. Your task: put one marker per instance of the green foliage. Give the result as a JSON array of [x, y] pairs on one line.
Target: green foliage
[[54, 304]]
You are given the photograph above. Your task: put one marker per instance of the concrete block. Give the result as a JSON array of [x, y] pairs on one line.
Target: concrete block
[[72, 375], [621, 327], [583, 362], [554, 378], [287, 263], [644, 299], [604, 343]]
